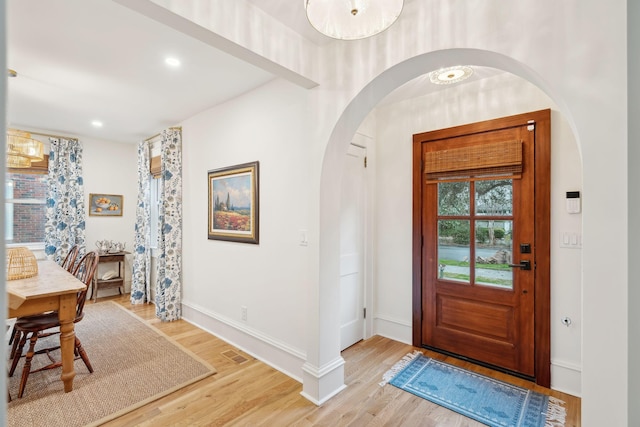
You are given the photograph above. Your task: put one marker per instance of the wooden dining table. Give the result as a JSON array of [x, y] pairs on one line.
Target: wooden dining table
[[52, 289]]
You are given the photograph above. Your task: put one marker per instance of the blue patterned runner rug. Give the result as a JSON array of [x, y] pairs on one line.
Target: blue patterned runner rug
[[489, 401]]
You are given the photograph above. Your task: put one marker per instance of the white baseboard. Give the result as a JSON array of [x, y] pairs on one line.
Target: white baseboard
[[395, 329], [321, 384], [566, 377], [278, 355]]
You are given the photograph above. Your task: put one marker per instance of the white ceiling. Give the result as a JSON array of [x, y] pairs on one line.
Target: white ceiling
[[84, 60], [292, 14]]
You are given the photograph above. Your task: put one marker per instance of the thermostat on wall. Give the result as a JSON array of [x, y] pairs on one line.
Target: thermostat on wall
[[573, 202]]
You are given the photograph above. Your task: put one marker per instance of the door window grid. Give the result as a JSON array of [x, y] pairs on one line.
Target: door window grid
[[486, 207]]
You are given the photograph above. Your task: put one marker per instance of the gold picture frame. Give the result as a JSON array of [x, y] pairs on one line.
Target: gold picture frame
[[234, 203]]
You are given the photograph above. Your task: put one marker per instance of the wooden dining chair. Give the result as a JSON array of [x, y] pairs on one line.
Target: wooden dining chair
[[8, 332], [69, 262], [39, 326]]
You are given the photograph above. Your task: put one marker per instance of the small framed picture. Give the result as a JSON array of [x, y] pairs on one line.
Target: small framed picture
[[105, 205], [234, 203]]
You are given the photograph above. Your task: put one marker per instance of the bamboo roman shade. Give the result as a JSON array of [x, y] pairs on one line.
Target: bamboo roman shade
[[503, 159], [155, 168]]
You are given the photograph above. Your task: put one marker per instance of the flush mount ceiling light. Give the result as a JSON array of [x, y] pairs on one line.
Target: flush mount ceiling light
[[96, 123], [352, 19], [173, 62], [446, 76]]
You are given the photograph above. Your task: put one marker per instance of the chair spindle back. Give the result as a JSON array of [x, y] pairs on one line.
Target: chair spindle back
[[84, 272], [70, 260]]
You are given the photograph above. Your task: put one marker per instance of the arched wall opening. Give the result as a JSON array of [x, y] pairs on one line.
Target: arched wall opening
[[348, 123]]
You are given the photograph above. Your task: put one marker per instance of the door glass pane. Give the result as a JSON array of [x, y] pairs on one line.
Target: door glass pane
[[453, 250], [453, 198], [494, 247], [494, 197]]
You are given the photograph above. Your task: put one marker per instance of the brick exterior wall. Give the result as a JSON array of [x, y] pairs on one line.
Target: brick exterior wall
[[28, 219]]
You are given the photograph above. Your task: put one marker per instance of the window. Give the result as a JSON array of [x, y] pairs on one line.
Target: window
[[25, 207]]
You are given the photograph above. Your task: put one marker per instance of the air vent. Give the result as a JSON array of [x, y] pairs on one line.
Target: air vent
[[234, 356]]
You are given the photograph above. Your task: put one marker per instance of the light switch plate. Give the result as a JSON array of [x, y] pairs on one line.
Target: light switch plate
[[303, 238], [571, 240]]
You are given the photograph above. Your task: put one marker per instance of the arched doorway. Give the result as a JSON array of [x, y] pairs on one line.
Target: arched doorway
[[346, 126]]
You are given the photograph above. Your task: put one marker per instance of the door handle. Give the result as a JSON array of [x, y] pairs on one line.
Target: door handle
[[524, 265]]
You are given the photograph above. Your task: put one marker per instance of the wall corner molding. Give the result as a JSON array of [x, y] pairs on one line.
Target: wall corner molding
[[319, 384]]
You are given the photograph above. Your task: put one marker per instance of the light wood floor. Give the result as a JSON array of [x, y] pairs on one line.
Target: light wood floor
[[254, 394]]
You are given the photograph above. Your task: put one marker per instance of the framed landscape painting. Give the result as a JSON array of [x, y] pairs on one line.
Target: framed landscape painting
[[105, 205], [233, 203]]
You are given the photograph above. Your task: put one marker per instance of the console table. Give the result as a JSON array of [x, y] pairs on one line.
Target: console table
[[118, 281]]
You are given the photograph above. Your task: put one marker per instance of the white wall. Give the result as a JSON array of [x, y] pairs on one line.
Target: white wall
[[270, 279], [499, 96], [633, 49], [111, 168], [3, 296]]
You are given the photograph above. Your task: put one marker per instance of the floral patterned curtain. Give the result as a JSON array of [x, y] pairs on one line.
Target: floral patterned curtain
[[65, 224], [141, 280], [168, 287]]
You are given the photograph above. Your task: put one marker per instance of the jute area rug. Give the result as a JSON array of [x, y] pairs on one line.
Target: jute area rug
[[133, 364], [492, 402]]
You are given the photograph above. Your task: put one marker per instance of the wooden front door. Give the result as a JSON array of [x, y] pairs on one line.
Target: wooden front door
[[480, 197]]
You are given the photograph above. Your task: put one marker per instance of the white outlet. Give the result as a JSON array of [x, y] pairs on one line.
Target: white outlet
[[244, 312]]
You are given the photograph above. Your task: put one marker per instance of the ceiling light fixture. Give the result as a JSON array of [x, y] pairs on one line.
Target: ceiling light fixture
[[174, 62], [96, 123], [352, 19], [447, 76], [17, 162], [22, 149]]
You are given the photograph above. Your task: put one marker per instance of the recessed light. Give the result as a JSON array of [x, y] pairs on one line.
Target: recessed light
[[173, 62], [446, 76], [96, 123]]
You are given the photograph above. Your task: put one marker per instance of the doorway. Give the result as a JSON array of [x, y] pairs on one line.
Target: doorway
[[352, 253], [481, 224]]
